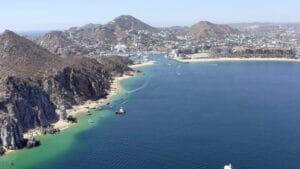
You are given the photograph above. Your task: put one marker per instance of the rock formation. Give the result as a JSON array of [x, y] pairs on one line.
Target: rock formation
[[35, 83]]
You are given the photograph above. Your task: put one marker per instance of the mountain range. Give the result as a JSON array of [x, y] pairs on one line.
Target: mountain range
[[128, 30]]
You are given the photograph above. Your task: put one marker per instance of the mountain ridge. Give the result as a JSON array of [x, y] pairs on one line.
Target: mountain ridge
[[128, 30]]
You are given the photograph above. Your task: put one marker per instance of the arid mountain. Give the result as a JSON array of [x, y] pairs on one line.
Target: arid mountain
[[35, 84], [127, 23], [55, 41], [21, 57], [206, 29], [91, 37]]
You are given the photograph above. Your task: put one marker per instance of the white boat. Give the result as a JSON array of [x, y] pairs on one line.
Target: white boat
[[229, 166], [121, 111]]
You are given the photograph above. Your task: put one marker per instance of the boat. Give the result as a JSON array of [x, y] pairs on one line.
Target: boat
[[229, 166], [121, 111]]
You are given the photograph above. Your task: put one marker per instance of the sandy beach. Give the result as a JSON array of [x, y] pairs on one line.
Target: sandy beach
[[234, 59], [116, 88], [147, 63]]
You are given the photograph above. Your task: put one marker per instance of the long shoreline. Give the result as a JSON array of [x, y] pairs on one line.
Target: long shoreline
[[115, 89], [235, 59]]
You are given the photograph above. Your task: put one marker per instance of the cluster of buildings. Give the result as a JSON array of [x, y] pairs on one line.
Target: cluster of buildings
[[277, 40], [252, 38]]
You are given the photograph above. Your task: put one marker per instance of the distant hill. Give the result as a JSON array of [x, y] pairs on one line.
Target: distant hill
[[136, 35], [55, 40], [121, 29], [206, 29], [127, 23], [22, 57]]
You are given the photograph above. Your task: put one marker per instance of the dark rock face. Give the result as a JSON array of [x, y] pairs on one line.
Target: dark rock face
[[29, 104], [10, 132], [73, 86], [35, 85]]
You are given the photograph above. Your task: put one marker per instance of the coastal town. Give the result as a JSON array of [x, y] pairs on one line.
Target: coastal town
[[205, 39], [159, 84], [124, 44], [119, 47]]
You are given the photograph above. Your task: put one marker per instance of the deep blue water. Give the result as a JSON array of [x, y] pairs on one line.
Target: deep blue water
[[201, 115]]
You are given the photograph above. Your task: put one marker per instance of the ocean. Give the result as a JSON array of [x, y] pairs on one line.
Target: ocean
[[185, 116]]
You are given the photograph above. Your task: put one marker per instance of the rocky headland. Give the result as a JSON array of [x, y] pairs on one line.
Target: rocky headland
[[36, 86]]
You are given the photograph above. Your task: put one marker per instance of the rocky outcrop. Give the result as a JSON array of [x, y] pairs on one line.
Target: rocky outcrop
[[10, 132], [28, 103], [35, 85], [73, 85]]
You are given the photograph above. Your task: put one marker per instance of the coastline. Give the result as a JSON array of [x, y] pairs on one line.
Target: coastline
[[146, 63], [116, 88], [234, 59]]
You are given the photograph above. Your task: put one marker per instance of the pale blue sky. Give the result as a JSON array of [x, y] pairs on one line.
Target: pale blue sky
[[23, 15]]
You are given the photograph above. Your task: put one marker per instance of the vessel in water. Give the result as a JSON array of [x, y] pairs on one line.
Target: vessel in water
[[229, 166], [121, 111]]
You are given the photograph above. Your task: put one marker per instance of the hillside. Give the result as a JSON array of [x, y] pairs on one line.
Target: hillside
[[206, 29], [127, 23], [35, 84], [134, 34]]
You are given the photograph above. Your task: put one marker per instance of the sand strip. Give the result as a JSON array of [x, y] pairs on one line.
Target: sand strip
[[235, 59]]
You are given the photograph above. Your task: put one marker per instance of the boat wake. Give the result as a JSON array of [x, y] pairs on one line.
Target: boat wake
[[140, 88], [124, 102]]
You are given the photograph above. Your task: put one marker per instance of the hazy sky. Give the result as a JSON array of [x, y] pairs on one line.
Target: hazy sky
[[23, 15]]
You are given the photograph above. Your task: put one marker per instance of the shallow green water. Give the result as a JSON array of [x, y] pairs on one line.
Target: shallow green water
[[57, 146]]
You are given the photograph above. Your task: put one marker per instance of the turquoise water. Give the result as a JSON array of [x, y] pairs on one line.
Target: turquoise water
[[201, 115]]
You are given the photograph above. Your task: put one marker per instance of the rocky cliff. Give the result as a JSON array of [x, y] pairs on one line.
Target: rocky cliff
[[35, 84]]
